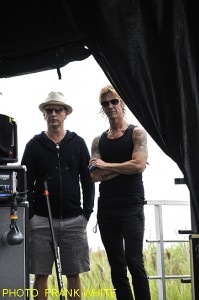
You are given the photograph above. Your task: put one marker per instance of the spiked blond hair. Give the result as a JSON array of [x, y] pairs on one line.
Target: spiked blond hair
[[110, 89]]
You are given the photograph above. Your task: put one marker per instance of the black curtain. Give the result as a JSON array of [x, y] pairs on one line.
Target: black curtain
[[149, 50], [40, 35]]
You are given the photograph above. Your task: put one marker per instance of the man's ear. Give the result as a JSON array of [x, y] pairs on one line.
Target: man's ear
[[44, 116]]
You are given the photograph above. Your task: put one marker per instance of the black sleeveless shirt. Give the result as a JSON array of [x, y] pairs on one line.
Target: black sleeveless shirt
[[123, 188]]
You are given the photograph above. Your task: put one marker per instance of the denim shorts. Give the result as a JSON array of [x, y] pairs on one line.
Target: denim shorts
[[71, 237]]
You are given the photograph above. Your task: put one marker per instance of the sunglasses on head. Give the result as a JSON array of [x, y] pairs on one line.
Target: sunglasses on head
[[49, 111], [112, 101]]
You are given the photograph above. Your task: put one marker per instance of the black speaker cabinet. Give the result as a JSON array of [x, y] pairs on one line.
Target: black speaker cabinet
[[14, 259]]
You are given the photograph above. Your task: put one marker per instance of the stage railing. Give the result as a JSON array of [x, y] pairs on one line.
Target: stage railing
[[159, 240]]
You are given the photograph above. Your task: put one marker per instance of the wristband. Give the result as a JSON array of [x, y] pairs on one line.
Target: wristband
[[92, 168]]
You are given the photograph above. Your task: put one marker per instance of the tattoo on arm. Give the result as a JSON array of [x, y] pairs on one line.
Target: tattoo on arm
[[100, 175], [95, 153], [105, 176], [140, 141]]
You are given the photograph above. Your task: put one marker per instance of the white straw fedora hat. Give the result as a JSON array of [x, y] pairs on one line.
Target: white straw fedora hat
[[56, 98]]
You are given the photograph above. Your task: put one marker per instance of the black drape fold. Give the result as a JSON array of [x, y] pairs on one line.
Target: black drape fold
[[40, 35], [148, 50]]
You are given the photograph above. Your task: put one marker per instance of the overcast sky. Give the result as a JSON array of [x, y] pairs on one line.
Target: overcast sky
[[81, 83]]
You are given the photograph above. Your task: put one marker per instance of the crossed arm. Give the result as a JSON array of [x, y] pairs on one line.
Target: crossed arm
[[137, 164]]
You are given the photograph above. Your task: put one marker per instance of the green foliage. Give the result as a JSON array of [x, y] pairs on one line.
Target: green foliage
[[99, 278], [97, 283], [176, 262]]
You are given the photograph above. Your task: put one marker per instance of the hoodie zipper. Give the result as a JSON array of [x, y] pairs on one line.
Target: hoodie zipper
[[60, 178]]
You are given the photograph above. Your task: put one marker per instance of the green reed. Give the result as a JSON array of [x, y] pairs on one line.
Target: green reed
[[97, 283]]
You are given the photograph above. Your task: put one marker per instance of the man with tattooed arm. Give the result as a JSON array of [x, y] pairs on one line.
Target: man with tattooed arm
[[119, 156]]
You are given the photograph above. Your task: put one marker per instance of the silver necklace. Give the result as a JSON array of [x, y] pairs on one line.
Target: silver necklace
[[57, 145]]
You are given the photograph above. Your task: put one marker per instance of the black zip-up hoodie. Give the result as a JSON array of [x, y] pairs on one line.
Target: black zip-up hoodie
[[64, 167]]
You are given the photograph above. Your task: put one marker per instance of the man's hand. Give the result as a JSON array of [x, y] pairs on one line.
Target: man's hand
[[97, 163]]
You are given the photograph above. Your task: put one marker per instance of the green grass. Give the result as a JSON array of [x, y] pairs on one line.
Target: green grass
[[97, 283], [177, 262]]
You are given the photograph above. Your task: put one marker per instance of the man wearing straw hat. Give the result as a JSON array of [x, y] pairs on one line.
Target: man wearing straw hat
[[62, 157]]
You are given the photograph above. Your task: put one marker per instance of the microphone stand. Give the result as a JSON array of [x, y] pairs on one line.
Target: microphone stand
[[54, 245]]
